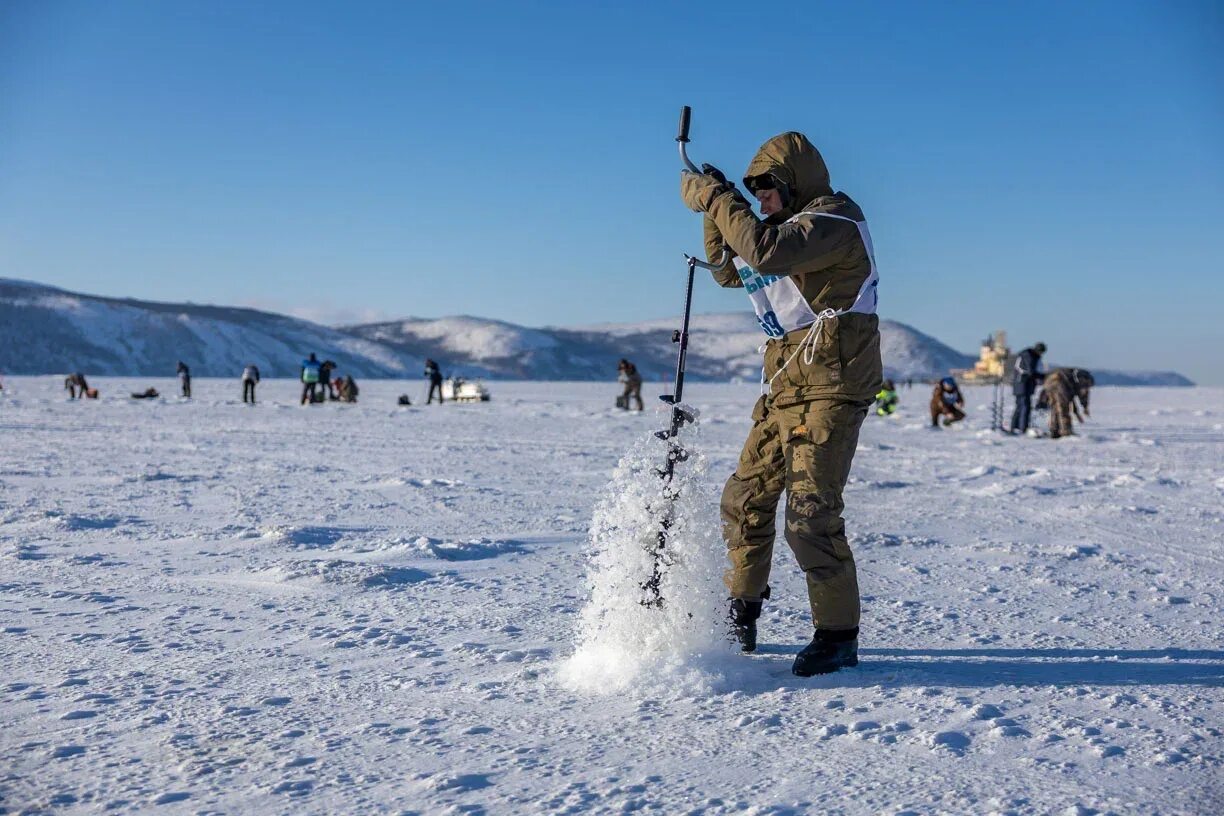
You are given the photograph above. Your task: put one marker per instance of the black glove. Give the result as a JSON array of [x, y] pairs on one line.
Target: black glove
[[711, 170], [716, 174]]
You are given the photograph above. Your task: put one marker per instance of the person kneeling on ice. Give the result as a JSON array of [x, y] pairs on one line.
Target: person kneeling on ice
[[948, 402], [887, 399], [347, 388], [809, 270]]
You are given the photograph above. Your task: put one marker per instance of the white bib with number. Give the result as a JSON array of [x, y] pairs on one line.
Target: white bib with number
[[779, 305]]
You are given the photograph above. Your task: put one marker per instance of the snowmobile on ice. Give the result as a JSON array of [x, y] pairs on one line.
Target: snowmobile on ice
[[457, 389]]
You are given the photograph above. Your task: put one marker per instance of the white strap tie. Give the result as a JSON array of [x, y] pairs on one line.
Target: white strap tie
[[807, 346]]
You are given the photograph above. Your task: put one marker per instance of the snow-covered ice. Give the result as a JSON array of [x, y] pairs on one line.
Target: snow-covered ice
[[207, 607]]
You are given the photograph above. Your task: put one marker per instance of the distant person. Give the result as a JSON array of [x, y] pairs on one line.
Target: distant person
[[909, 383], [1063, 386], [628, 375], [310, 379], [76, 385], [148, 393], [184, 375], [887, 399], [435, 381], [250, 377], [348, 389], [1026, 374], [1083, 382], [325, 377], [948, 402]]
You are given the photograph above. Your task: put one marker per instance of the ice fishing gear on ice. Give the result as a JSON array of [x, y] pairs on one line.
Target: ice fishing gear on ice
[[680, 414]]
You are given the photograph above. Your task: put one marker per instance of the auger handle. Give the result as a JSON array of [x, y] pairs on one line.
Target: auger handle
[[686, 113], [682, 136]]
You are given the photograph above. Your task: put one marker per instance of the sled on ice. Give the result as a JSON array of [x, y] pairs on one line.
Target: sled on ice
[[457, 389]]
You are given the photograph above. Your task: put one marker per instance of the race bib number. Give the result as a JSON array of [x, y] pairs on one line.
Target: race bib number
[[779, 305]]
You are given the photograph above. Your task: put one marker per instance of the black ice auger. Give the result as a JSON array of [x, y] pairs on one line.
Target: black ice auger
[[680, 416]]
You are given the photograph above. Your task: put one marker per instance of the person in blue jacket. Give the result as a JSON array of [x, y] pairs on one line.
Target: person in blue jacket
[[1027, 373], [948, 402], [310, 378]]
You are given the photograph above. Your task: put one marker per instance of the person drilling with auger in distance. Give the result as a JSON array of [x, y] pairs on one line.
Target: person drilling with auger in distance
[[809, 270]]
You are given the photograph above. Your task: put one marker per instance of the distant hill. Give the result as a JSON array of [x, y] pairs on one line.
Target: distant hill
[[721, 347], [44, 330], [1106, 376]]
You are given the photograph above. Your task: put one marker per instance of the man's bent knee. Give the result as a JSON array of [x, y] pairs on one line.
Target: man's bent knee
[[816, 534]]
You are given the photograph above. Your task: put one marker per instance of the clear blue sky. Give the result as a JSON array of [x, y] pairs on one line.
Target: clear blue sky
[[1055, 169]]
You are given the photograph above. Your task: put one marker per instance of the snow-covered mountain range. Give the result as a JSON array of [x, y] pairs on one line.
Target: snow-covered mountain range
[[721, 347], [45, 330]]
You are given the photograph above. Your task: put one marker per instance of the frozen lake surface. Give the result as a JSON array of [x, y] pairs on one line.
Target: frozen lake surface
[[216, 608]]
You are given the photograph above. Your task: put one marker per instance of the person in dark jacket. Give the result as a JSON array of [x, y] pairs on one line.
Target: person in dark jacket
[[76, 385], [325, 379], [1027, 373], [310, 379], [948, 402], [250, 376], [435, 381], [184, 375]]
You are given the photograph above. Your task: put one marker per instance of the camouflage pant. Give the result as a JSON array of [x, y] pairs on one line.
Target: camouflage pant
[[633, 390], [1060, 412], [806, 450]]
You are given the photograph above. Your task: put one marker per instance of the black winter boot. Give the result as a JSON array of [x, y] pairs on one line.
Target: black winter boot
[[743, 617], [829, 651]]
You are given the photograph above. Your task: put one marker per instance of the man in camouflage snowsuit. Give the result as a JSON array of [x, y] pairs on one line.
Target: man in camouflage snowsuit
[[627, 374], [806, 429], [1063, 386]]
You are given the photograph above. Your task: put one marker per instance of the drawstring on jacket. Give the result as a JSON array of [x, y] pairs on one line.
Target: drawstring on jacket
[[807, 346]]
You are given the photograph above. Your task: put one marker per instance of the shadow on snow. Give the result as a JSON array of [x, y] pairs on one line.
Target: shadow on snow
[[982, 667]]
